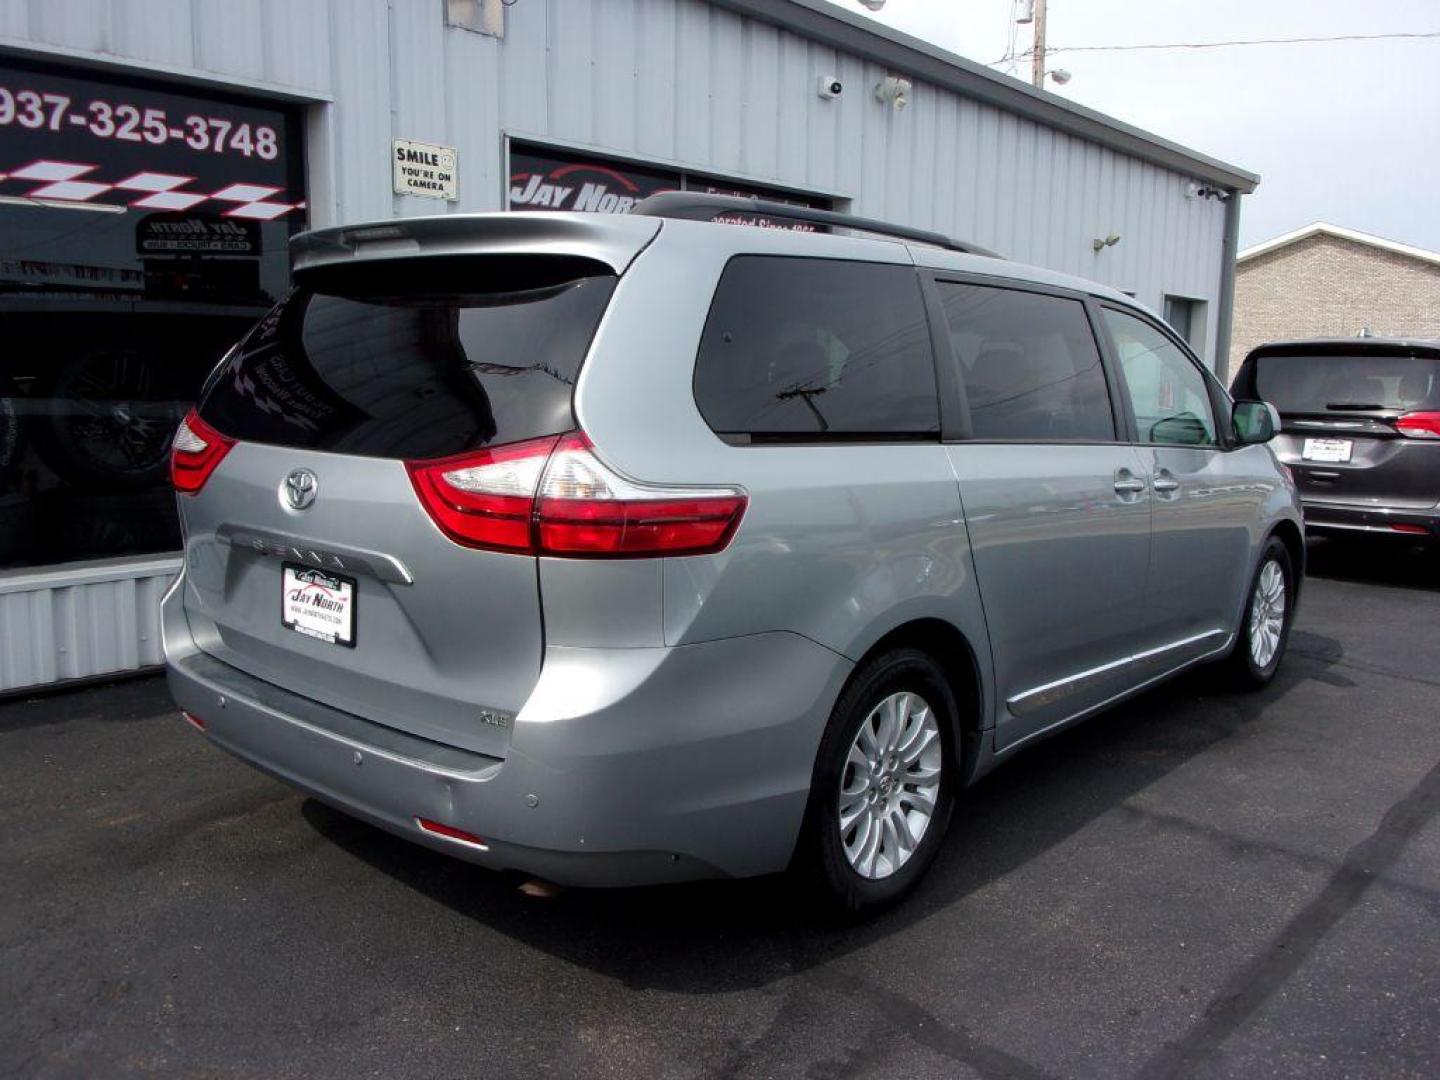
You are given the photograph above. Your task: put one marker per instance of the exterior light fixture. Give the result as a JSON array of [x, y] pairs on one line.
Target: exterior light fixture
[[1060, 75], [1109, 241], [893, 91]]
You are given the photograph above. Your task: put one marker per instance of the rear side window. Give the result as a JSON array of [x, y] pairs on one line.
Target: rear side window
[[812, 348], [1030, 365], [414, 360], [1328, 383]]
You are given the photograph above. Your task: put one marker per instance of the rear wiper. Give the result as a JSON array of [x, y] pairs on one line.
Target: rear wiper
[[1353, 406]]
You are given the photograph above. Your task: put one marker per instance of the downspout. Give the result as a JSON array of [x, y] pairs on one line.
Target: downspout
[[1225, 316]]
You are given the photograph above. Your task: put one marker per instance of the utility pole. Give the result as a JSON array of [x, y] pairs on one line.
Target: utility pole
[[1037, 56]]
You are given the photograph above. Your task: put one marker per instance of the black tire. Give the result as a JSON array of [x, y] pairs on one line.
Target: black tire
[[112, 425], [1244, 670], [821, 856]]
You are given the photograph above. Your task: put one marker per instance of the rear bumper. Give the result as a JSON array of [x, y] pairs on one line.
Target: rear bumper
[[626, 766], [1400, 522]]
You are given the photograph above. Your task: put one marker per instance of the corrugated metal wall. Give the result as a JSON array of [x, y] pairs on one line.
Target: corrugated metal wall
[[79, 622], [675, 81], [672, 81]]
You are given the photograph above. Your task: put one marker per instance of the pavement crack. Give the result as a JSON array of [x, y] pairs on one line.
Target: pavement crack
[[928, 1030], [1252, 985], [1244, 846]]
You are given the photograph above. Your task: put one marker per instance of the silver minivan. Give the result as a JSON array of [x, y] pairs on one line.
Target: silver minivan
[[620, 550]]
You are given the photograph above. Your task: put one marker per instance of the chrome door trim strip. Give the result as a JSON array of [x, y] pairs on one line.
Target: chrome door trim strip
[[1030, 700], [1114, 699]]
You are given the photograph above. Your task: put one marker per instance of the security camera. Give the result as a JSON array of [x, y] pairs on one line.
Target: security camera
[[829, 86]]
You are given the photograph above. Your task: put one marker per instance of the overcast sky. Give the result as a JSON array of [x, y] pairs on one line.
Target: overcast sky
[[1345, 132]]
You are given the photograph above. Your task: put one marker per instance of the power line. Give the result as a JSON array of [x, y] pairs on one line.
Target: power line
[[1253, 41]]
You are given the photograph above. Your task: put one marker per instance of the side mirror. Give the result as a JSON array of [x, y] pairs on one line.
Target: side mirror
[[1255, 421]]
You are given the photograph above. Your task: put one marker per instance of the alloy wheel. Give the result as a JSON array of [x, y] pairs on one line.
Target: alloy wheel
[[890, 785], [1267, 614]]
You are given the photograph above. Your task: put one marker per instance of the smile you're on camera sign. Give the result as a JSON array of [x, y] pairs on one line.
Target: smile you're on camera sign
[[424, 169]]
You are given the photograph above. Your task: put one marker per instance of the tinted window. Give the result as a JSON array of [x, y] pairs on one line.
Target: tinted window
[[1317, 384], [1030, 364], [797, 348], [1167, 391], [414, 361]]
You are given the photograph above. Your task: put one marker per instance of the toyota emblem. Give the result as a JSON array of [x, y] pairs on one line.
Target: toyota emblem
[[300, 488]]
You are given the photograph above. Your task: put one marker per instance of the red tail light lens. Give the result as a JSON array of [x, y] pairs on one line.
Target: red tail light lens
[[197, 449], [554, 496], [484, 499], [1419, 425], [587, 509]]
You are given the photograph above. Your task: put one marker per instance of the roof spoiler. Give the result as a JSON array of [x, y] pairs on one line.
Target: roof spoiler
[[612, 239]]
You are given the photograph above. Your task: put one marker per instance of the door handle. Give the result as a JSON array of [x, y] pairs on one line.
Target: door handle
[[1127, 483], [1164, 482]]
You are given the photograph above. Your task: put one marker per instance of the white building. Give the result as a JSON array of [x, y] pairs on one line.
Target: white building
[[155, 156]]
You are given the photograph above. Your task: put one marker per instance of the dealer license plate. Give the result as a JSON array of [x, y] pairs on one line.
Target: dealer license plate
[[318, 605], [1327, 449]]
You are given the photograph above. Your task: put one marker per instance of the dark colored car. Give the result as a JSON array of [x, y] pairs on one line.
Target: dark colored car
[[1360, 429]]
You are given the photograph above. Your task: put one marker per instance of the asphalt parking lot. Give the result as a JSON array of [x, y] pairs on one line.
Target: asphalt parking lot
[[1197, 884]]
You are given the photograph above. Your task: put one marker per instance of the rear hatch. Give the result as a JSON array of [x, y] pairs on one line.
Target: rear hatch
[[311, 561], [1360, 425]]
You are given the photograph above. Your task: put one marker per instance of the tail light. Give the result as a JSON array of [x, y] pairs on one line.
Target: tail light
[[484, 499], [197, 449], [554, 496], [1419, 425]]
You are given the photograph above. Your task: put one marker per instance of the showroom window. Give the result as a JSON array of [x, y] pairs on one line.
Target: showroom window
[[803, 349], [544, 178], [143, 230]]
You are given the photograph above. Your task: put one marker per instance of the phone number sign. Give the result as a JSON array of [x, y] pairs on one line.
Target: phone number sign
[[71, 140]]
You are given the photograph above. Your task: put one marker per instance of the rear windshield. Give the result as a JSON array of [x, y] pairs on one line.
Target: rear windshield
[[1319, 384], [415, 359]]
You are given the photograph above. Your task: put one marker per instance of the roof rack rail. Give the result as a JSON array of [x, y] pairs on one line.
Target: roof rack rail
[[699, 206]]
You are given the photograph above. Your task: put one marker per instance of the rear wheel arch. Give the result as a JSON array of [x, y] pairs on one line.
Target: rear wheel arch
[[952, 651]]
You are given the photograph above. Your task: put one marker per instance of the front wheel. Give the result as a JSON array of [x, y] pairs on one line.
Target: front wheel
[[1269, 612], [884, 783]]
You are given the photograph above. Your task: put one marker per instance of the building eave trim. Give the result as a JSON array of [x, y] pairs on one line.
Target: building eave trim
[[870, 40], [1321, 228]]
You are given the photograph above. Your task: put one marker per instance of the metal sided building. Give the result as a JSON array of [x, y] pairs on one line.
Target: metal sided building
[[157, 155]]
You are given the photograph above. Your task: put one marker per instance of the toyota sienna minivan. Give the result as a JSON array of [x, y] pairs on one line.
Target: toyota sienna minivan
[[630, 549]]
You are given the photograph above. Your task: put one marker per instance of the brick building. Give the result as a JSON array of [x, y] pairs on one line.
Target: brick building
[[1325, 281]]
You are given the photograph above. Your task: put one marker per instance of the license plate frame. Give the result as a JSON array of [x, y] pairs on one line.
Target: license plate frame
[[311, 620], [1330, 451]]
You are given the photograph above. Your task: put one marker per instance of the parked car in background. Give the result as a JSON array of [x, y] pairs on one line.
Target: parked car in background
[[632, 549], [1360, 428]]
